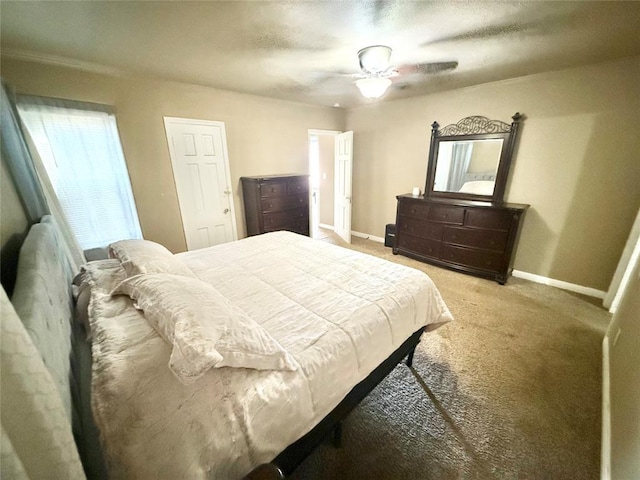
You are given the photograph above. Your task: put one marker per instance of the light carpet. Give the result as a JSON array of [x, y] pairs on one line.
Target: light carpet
[[510, 390]]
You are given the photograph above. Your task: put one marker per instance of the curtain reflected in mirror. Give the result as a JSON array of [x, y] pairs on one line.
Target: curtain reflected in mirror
[[467, 166]]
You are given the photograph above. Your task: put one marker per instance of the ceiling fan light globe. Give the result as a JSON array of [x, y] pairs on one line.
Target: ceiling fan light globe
[[373, 87], [374, 59]]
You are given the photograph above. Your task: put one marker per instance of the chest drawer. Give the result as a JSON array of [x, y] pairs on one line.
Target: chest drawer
[[495, 219], [478, 238], [298, 185], [273, 189], [439, 213], [275, 204], [432, 231], [279, 220], [482, 259]]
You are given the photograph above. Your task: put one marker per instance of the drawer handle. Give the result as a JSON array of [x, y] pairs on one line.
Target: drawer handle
[[413, 211], [488, 262], [493, 242], [453, 236], [270, 205]]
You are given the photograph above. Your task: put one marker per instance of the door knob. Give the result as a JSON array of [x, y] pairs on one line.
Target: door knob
[[226, 210]]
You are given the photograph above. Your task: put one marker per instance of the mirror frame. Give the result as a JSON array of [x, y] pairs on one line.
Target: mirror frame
[[474, 128]]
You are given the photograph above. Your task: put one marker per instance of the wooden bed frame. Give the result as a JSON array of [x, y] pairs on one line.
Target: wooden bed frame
[[285, 463]]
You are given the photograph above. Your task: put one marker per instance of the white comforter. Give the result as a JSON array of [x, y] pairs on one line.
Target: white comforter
[[338, 312]]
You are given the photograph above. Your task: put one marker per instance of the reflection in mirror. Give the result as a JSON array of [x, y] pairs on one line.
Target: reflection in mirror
[[467, 166]]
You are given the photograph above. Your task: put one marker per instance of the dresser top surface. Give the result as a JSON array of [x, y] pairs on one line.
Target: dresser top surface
[[465, 203], [259, 178]]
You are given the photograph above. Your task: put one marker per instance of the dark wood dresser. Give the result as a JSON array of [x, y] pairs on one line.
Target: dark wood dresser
[[276, 202], [474, 237]]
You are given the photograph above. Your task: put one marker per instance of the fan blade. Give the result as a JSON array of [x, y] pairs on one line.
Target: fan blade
[[426, 68]]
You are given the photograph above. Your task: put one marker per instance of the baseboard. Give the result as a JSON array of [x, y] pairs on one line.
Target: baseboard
[[367, 236], [355, 234], [605, 453], [572, 287]]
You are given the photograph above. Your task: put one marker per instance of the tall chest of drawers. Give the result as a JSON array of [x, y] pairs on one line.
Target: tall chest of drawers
[[276, 202], [469, 236]]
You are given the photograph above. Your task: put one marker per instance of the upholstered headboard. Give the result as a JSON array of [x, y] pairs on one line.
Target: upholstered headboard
[[37, 351], [479, 176], [43, 299]]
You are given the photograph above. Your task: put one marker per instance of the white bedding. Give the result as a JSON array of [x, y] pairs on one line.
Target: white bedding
[[337, 312]]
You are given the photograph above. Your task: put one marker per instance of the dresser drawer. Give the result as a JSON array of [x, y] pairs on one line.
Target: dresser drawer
[[443, 214], [422, 246], [482, 259], [483, 218], [275, 204], [301, 227], [414, 209], [478, 238], [278, 220], [432, 231], [273, 189], [298, 185]]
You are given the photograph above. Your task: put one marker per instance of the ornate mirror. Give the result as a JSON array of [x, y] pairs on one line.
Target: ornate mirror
[[470, 160]]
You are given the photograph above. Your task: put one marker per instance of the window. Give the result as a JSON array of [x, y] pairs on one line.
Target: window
[[80, 148]]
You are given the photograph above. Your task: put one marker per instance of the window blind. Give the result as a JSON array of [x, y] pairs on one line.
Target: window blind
[[81, 151]]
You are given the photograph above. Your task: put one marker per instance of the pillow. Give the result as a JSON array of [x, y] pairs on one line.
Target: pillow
[[144, 256], [100, 275], [478, 187], [203, 327], [105, 275]]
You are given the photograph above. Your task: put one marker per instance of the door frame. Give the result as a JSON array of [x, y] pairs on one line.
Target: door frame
[[209, 123], [317, 132], [625, 266]]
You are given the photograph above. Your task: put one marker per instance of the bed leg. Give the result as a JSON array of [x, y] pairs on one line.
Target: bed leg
[[337, 435], [410, 357]]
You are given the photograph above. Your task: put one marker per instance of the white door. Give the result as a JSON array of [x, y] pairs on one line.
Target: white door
[[198, 150], [343, 169]]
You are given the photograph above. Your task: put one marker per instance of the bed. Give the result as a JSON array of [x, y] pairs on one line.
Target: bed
[[339, 320], [478, 183]]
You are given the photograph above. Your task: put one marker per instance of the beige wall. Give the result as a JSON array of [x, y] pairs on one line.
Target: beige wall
[[326, 144], [13, 217], [577, 165], [264, 136], [14, 223]]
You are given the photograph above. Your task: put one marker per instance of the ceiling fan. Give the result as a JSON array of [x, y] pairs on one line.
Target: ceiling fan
[[377, 70]]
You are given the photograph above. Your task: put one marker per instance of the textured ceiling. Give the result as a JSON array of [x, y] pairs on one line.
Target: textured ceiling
[[305, 50]]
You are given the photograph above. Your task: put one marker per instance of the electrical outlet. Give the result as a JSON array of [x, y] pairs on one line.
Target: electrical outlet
[[324, 176], [615, 339]]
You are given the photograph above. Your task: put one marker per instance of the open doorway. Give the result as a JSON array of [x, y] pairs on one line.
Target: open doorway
[[321, 171]]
